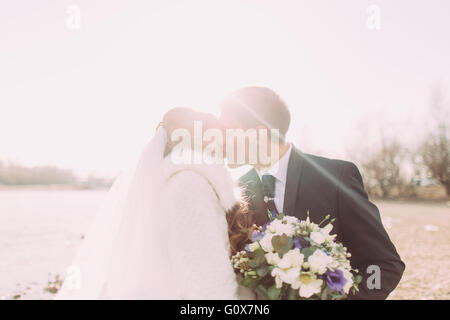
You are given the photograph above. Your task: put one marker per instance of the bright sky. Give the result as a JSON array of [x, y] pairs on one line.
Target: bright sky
[[90, 98]]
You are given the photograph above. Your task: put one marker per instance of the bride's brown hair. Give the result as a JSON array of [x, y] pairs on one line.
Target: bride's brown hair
[[240, 222], [239, 218]]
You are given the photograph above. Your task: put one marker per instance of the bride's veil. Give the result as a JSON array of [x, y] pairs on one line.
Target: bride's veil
[[123, 254]]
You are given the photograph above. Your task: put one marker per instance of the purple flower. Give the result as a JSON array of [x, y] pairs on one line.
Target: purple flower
[[256, 235], [247, 248], [303, 243], [335, 280], [297, 243]]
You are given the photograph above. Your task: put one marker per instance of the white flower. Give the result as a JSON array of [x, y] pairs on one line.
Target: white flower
[[327, 229], [308, 285], [291, 259], [253, 246], [330, 238], [319, 261], [334, 264], [285, 275], [290, 219], [314, 227], [266, 242], [318, 237], [349, 277], [272, 258], [278, 227], [278, 281], [288, 268]]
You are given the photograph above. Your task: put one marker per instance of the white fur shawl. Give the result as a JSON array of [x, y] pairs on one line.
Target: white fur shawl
[[196, 198]]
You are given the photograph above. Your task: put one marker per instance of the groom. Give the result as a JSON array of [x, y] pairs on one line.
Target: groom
[[301, 182]]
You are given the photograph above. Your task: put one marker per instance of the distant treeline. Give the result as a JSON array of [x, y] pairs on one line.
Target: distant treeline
[[17, 175], [385, 169]]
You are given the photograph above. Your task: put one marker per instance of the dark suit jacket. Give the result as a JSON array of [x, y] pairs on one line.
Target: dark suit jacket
[[323, 186]]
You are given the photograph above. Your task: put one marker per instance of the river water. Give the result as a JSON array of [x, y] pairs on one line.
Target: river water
[[40, 232]]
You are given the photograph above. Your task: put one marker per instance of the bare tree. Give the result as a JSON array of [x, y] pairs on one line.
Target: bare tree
[[381, 171], [435, 150]]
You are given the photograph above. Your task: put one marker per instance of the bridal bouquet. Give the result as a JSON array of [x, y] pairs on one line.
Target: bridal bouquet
[[293, 259]]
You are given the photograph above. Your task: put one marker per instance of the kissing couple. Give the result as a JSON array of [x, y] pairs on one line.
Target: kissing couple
[[168, 227]]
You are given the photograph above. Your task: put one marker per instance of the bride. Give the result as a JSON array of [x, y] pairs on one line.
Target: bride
[[165, 231]]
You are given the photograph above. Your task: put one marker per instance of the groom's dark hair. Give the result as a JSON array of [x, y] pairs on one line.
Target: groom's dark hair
[[254, 106]]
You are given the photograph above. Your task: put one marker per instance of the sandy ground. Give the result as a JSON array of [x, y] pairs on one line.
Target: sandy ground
[[40, 232], [421, 233]]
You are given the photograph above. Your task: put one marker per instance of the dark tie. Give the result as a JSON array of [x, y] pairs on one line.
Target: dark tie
[[268, 186]]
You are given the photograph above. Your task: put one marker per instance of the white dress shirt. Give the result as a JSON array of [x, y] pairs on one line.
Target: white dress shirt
[[279, 171]]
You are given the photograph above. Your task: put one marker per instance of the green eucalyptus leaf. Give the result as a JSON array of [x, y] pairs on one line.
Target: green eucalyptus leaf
[[282, 244], [337, 296], [325, 293], [258, 259], [262, 271], [261, 292], [307, 252], [249, 282], [274, 293], [292, 294]]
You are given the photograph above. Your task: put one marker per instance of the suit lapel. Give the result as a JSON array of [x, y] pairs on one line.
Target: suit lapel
[[294, 172]]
